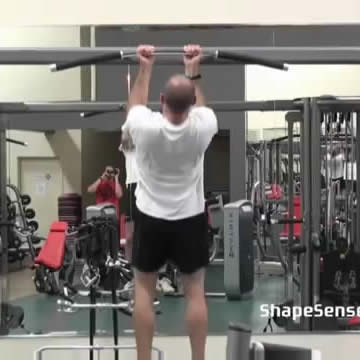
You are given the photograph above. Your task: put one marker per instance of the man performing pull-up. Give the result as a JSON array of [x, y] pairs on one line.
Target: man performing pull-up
[[170, 223]]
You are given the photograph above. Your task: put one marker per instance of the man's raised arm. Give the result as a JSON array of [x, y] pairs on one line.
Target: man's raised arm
[[192, 60], [139, 93]]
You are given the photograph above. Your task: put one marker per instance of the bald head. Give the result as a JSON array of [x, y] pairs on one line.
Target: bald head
[[179, 94]]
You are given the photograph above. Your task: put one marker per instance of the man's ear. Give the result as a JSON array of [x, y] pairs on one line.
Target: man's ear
[[162, 98]]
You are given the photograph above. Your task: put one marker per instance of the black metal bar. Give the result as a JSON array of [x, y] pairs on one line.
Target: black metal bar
[[325, 159], [92, 327], [271, 166], [114, 249], [357, 157], [283, 138], [248, 59], [3, 229], [103, 58], [290, 208], [347, 183], [81, 107], [278, 163], [315, 205], [290, 55], [339, 105], [48, 116], [17, 142], [117, 55], [305, 260], [86, 115], [239, 58], [353, 159]]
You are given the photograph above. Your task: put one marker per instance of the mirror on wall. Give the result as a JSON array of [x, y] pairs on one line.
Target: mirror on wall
[[53, 175]]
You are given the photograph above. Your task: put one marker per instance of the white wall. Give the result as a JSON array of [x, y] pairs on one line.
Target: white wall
[[36, 83], [45, 12], [299, 81]]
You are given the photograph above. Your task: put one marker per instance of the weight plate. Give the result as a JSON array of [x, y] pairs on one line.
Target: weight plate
[[25, 199], [33, 224], [30, 213]]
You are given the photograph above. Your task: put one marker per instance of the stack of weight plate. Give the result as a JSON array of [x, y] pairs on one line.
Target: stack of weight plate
[[69, 208]]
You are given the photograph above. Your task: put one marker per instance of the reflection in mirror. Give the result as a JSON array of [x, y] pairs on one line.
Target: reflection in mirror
[[64, 171], [277, 172], [37, 175]]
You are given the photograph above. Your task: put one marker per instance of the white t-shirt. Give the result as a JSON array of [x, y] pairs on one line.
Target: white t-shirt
[[170, 161], [131, 167]]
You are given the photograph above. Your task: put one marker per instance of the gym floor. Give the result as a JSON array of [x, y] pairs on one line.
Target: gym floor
[[41, 313]]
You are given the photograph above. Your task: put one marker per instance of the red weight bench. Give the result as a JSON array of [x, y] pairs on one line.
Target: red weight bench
[[297, 215], [52, 254]]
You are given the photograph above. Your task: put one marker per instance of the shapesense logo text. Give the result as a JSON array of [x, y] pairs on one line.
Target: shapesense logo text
[[318, 311]]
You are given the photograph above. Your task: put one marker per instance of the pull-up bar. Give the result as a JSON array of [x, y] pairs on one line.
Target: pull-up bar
[[229, 56]]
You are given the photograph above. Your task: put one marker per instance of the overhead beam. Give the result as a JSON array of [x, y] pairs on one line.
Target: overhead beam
[[66, 115], [291, 55], [98, 107], [339, 105]]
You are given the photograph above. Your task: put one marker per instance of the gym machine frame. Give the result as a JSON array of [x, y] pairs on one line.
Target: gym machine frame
[[316, 106], [294, 108]]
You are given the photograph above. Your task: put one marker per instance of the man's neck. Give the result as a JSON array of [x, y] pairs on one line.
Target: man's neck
[[174, 119]]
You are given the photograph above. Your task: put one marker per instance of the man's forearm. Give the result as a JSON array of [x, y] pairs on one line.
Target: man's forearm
[[200, 98], [139, 93], [191, 71]]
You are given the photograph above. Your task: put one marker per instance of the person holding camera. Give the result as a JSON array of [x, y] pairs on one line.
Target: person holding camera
[[107, 188]]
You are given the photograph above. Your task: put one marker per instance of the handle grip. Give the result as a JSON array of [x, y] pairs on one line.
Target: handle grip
[[86, 61], [247, 59]]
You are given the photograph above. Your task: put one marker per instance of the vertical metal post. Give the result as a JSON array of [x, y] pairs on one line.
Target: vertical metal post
[[263, 178], [357, 176], [92, 322], [271, 166], [331, 189], [3, 226], [238, 168], [289, 281], [315, 201], [305, 261], [327, 182], [278, 163], [352, 160], [347, 182]]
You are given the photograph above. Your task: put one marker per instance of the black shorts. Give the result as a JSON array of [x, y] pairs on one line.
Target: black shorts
[[182, 242], [130, 202]]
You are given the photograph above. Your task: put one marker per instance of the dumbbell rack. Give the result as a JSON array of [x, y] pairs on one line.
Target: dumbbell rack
[[26, 231]]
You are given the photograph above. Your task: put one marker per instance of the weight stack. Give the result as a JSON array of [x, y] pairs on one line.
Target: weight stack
[[69, 209]]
